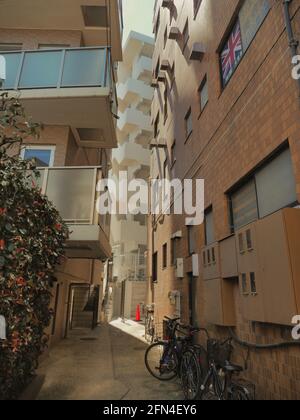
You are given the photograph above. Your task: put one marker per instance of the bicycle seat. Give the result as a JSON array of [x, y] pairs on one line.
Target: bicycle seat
[[172, 320], [232, 368]]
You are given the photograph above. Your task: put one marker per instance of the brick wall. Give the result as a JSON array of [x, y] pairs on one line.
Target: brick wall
[[241, 125]]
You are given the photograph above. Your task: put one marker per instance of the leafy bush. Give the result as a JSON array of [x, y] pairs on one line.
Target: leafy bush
[[32, 238]]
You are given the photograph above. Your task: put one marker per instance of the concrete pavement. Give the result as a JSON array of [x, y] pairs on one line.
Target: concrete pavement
[[104, 364]]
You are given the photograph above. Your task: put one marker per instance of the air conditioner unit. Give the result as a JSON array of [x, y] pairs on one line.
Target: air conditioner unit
[[180, 268], [154, 83], [161, 77], [198, 51], [167, 4], [165, 65], [195, 263], [174, 33]]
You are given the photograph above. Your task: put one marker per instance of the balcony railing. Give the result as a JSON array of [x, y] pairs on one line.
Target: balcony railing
[[72, 190], [60, 68]]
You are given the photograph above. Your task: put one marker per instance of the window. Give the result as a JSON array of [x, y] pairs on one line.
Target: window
[[249, 239], [244, 284], [276, 185], [174, 251], [203, 94], [244, 205], [209, 227], [157, 68], [10, 47], [44, 156], [156, 126], [250, 18], [185, 35], [165, 256], [154, 267], [172, 76], [95, 16], [173, 153], [191, 239], [165, 104], [253, 284], [197, 4], [241, 243], [270, 189], [188, 124]]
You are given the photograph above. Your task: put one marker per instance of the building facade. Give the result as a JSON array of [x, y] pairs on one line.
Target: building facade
[[226, 110], [132, 159], [60, 61]]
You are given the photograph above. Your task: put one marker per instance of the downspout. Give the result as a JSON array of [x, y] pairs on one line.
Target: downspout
[[293, 43]]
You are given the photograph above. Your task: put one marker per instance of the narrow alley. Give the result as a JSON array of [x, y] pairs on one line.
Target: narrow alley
[[105, 364]]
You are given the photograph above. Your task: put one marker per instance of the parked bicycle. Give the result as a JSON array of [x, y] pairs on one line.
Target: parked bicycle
[[204, 374], [164, 359], [218, 383], [149, 324]]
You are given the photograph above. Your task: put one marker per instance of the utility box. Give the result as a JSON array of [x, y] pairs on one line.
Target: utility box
[[180, 268], [269, 268], [211, 262], [228, 258], [219, 302]]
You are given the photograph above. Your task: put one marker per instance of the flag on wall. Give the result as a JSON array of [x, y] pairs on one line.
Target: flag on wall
[[231, 53]]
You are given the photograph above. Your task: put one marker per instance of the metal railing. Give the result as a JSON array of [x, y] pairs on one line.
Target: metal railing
[[60, 68]]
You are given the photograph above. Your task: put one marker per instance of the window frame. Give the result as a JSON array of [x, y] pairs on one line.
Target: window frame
[[252, 177], [200, 90], [165, 256], [225, 39], [52, 149], [188, 115]]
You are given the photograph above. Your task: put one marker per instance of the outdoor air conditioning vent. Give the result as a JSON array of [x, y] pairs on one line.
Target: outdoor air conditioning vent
[[167, 4], [165, 65], [154, 83], [198, 51], [180, 268], [95, 16], [161, 77], [175, 33]]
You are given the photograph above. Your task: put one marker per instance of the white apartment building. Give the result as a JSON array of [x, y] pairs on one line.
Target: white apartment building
[[134, 133]]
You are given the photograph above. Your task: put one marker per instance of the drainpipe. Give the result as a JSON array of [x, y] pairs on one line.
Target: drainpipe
[[293, 43]]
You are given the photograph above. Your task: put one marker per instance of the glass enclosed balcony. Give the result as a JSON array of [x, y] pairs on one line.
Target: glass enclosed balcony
[[72, 190], [74, 87]]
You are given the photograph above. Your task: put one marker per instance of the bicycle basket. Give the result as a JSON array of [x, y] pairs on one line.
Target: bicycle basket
[[218, 352], [167, 331]]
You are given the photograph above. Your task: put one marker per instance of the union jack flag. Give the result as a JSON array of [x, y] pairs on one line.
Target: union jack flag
[[232, 53]]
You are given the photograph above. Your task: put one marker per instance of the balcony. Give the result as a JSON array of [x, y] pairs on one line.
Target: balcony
[[73, 87], [91, 19], [72, 190]]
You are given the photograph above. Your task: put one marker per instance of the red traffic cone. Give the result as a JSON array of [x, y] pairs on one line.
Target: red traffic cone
[[138, 314]]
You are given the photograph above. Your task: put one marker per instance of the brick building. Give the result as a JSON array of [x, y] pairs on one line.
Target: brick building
[[226, 109], [60, 58]]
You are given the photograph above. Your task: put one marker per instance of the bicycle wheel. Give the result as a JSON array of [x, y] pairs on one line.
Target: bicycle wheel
[[190, 374], [239, 393], [161, 361]]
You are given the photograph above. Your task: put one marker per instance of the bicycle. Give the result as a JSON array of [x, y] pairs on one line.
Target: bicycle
[[163, 358], [149, 325], [218, 384]]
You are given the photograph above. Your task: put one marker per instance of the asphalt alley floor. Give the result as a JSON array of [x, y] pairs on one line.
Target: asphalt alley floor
[[104, 364]]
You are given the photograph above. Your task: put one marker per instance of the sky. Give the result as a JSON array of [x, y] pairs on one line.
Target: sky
[[138, 16]]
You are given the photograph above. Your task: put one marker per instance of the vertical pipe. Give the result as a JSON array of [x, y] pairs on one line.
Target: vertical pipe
[[293, 43]]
